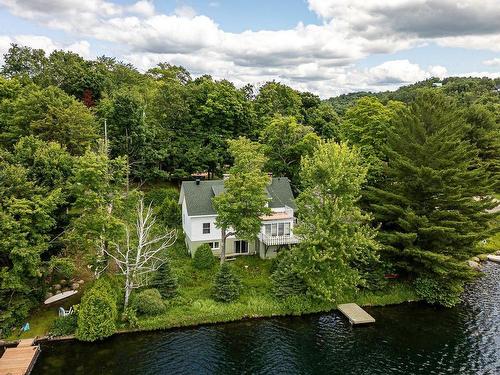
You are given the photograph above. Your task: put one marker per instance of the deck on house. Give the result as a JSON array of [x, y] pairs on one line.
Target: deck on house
[[355, 314], [19, 360]]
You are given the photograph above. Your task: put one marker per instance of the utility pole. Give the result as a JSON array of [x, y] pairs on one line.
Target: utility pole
[[106, 135], [128, 160]]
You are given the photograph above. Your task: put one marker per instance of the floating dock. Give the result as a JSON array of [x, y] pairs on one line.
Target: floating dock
[[355, 314], [19, 360]]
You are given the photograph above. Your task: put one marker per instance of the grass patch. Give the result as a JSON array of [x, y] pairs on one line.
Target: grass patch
[[42, 318], [195, 305], [492, 243]]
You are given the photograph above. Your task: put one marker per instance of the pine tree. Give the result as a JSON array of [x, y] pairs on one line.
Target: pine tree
[[227, 285], [165, 281], [432, 208], [286, 281]]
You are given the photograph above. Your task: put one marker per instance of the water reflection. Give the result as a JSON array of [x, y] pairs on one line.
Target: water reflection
[[407, 339]]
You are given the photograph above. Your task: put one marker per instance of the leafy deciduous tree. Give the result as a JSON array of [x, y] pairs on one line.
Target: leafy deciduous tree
[[334, 231], [244, 199]]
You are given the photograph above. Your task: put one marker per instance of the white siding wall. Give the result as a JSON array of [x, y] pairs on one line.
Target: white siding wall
[[193, 225], [186, 220], [197, 229]]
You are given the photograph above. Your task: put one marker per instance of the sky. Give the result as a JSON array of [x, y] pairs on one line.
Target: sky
[[328, 47]]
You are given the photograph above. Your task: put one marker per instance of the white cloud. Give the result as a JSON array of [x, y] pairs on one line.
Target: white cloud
[[425, 18], [487, 42], [320, 57], [492, 62], [143, 8], [396, 72], [185, 11], [42, 42]]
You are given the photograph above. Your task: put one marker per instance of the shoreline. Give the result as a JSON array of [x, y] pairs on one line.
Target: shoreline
[[185, 321], [199, 324]]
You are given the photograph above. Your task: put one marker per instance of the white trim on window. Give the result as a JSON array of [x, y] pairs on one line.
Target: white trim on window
[[241, 247], [206, 228], [215, 245]]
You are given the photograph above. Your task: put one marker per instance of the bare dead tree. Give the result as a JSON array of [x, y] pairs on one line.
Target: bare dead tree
[[137, 260]]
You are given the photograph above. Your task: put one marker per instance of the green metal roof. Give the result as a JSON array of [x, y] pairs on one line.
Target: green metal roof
[[199, 197]]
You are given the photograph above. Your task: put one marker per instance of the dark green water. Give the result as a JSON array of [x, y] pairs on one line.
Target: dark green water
[[407, 339]]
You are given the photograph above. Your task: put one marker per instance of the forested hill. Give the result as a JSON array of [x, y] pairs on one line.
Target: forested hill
[[76, 136], [467, 90]]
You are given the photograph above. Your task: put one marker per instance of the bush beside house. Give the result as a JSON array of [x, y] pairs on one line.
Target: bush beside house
[[204, 258]]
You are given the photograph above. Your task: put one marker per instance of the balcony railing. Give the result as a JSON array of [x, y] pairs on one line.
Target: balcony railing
[[278, 240]]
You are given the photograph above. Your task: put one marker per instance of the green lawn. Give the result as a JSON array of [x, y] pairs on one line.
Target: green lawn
[[42, 318], [195, 305]]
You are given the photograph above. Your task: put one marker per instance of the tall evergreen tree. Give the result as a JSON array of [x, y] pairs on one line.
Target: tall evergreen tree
[[433, 205], [227, 285], [165, 281]]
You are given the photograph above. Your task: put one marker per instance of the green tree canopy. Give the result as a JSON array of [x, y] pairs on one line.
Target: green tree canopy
[[433, 204], [367, 125], [285, 143], [275, 98], [244, 199], [334, 231]]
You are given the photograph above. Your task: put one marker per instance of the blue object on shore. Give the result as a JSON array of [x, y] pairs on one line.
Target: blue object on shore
[[26, 327]]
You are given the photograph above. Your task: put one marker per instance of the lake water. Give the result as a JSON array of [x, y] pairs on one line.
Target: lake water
[[406, 339]]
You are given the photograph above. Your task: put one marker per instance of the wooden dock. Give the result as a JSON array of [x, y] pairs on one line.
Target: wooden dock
[[19, 360], [355, 314]]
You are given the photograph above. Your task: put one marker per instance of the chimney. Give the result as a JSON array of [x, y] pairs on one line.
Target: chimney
[[197, 180]]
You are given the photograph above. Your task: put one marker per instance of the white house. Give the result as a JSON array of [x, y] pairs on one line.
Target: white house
[[198, 219]]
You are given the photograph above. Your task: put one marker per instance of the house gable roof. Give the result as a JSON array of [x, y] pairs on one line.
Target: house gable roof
[[199, 197]]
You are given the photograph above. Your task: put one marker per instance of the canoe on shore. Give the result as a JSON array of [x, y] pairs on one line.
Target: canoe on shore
[[494, 258], [60, 296]]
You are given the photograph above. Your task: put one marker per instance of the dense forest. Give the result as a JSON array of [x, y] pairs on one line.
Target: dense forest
[[396, 182]]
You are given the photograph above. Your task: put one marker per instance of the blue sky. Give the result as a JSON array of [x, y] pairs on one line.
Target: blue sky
[[324, 46]]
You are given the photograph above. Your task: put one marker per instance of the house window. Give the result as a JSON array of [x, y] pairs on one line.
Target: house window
[[277, 229], [241, 247], [214, 245], [281, 229], [206, 228]]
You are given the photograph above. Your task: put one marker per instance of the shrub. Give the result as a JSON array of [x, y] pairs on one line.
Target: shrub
[[129, 316], [285, 281], [62, 267], [97, 313], [169, 211], [165, 281], [443, 292], [373, 274], [155, 196], [64, 325], [204, 258], [149, 302], [227, 286]]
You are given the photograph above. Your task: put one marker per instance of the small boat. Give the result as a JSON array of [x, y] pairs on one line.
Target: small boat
[[60, 296], [494, 258]]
